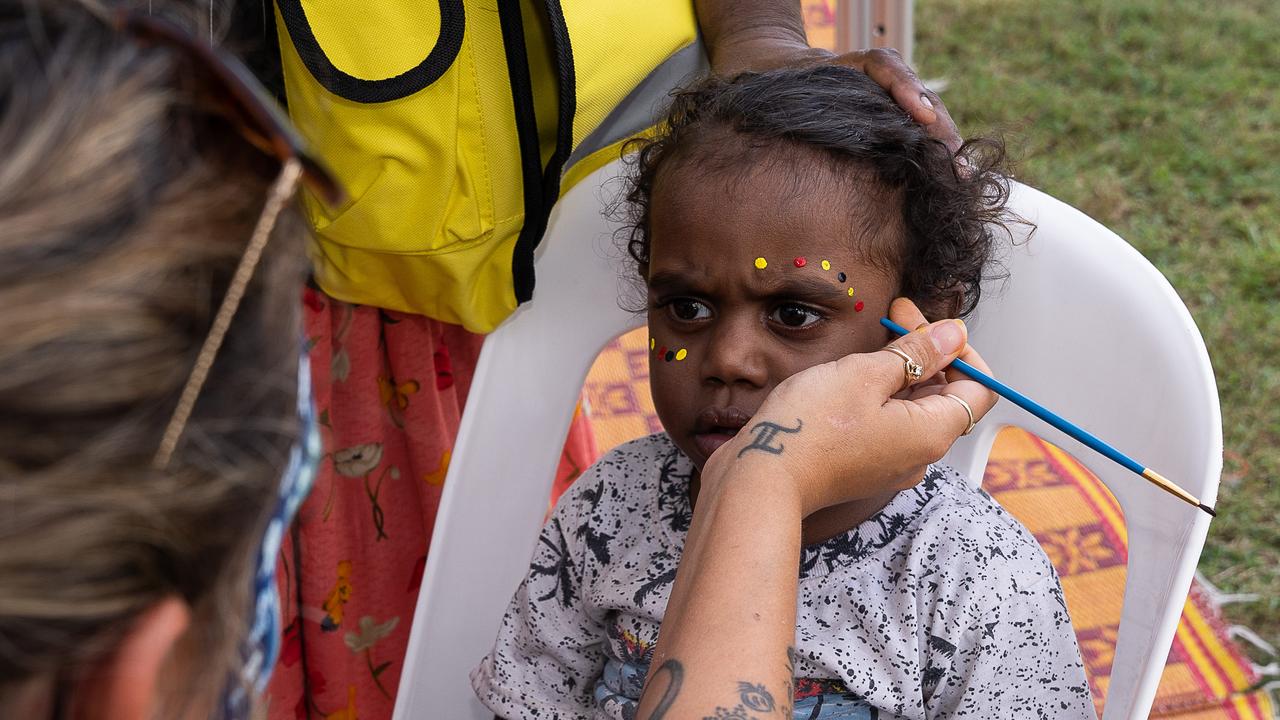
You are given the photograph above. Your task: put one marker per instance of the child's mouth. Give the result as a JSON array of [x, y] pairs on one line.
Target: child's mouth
[[716, 426], [709, 442]]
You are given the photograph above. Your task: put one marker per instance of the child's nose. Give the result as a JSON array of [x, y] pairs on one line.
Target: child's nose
[[735, 354]]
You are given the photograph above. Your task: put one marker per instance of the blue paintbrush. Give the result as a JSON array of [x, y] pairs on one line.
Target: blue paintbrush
[[1046, 415]]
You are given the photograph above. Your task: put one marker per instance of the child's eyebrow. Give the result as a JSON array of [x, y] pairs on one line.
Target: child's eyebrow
[[667, 281], [796, 284], [816, 288]]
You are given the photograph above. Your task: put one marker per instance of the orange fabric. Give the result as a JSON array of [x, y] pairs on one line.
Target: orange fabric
[[389, 392], [1071, 513]]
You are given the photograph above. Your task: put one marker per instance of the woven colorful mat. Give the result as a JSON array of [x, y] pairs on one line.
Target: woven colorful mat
[[1072, 514]]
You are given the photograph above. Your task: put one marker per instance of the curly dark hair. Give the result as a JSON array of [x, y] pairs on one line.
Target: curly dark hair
[[948, 219]]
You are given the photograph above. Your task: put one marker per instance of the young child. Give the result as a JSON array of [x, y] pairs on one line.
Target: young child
[[776, 217]]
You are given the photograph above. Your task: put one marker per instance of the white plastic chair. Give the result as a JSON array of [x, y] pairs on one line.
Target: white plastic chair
[[1091, 330], [1086, 326]]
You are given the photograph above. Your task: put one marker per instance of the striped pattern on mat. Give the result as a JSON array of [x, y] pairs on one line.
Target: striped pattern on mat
[[1072, 514]]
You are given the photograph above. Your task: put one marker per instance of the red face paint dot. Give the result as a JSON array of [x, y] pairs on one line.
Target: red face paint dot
[[662, 351], [857, 307], [800, 262]]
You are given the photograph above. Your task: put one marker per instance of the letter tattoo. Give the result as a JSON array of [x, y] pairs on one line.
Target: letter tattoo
[[766, 432]]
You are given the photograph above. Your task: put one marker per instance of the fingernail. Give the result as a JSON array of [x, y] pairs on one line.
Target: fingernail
[[947, 336], [924, 100]]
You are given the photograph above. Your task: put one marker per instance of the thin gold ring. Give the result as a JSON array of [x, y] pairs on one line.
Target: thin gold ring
[[912, 371], [968, 411]]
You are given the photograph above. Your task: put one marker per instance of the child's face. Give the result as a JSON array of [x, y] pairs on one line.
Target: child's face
[[732, 330]]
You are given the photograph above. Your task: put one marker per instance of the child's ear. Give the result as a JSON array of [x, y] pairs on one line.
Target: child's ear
[[941, 304]]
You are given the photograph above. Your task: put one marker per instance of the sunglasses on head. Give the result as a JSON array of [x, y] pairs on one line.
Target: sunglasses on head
[[225, 87]]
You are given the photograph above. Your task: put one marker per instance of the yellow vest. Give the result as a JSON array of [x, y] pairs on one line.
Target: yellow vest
[[456, 125]]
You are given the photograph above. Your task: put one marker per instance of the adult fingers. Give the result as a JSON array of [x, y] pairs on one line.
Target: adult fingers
[[939, 420], [887, 67], [944, 128], [905, 313], [927, 351], [980, 399]]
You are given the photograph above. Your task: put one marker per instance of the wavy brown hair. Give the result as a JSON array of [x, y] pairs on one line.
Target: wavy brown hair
[[797, 118], [124, 208]]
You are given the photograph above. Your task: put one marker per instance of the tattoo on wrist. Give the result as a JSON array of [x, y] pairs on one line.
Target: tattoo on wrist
[[766, 437]]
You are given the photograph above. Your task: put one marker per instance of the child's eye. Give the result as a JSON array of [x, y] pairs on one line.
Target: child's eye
[[795, 316], [688, 310]]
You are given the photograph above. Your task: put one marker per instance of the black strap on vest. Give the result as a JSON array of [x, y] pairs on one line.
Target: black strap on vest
[[541, 185], [509, 17], [441, 57], [568, 101]]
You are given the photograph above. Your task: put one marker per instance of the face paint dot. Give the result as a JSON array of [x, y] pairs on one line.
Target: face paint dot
[[850, 292], [650, 343], [662, 351], [842, 277], [826, 264], [682, 354], [800, 262], [761, 263], [857, 307], [670, 356]]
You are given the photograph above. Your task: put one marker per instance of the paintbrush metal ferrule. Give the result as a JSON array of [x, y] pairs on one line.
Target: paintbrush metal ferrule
[[1074, 431], [1170, 487]]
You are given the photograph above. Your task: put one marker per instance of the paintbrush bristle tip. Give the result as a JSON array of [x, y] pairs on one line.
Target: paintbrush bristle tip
[[1211, 511]]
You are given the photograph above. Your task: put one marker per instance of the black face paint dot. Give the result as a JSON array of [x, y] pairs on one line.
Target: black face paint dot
[[841, 277], [671, 355]]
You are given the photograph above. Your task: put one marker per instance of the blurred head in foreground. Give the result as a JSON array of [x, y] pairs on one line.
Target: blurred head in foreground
[[126, 202]]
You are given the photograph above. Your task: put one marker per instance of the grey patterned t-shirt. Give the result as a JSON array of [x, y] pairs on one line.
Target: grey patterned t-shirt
[[939, 606]]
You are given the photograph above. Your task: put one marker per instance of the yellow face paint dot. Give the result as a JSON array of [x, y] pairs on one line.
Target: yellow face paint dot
[[761, 263], [826, 264], [850, 292], [650, 343], [682, 354]]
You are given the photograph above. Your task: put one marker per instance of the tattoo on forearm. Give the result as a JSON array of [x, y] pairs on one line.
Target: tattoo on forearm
[[673, 671], [752, 697], [789, 693], [766, 433], [755, 697]]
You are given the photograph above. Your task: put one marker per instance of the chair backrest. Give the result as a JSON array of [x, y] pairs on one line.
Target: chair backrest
[[526, 385], [1122, 357], [1090, 329]]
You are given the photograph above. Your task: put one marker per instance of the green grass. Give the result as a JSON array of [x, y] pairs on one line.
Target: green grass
[[1161, 119]]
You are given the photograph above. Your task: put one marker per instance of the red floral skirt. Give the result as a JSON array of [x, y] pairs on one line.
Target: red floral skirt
[[389, 392]]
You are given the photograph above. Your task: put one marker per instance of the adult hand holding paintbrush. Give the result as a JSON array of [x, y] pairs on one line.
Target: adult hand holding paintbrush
[[867, 441], [839, 432], [982, 376]]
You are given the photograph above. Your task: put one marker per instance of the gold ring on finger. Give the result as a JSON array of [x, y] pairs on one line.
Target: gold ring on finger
[[968, 411], [912, 371]]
